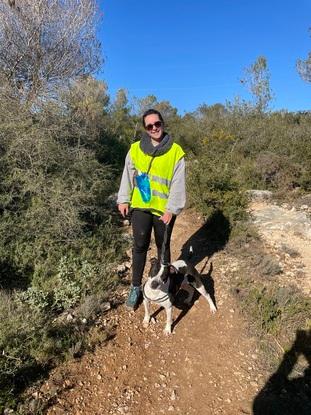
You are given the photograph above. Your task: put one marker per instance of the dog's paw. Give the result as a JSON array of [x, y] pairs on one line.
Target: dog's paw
[[153, 320], [168, 330], [146, 322], [213, 308]]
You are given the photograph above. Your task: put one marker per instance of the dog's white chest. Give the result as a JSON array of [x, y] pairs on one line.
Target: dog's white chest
[[157, 295]]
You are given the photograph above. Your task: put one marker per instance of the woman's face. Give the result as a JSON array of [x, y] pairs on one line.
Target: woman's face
[[154, 127]]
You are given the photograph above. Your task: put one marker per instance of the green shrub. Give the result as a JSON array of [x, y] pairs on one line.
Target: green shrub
[[274, 310], [212, 185], [59, 238], [259, 302]]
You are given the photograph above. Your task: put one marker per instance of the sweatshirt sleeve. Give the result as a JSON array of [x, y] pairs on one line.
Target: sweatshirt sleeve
[[127, 181], [177, 196]]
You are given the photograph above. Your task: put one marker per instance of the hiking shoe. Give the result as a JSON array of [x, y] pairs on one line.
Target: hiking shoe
[[133, 298]]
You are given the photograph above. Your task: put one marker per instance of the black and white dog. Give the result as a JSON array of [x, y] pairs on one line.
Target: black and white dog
[[163, 283]]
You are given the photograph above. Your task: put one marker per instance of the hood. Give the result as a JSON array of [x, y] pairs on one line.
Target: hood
[[163, 147]]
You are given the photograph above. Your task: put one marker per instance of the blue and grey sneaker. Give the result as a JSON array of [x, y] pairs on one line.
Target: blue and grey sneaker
[[133, 298]]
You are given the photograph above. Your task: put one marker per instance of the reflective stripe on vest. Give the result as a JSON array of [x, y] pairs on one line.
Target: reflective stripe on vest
[[161, 180], [160, 176]]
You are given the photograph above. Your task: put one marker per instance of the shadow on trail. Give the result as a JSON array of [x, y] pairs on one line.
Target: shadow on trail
[[210, 238], [284, 394]]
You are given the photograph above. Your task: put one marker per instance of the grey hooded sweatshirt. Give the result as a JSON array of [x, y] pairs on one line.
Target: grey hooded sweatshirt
[[177, 195]]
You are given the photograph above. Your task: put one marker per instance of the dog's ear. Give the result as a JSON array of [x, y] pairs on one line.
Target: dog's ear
[[173, 270], [154, 267]]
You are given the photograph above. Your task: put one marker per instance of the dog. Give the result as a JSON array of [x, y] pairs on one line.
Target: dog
[[163, 283]]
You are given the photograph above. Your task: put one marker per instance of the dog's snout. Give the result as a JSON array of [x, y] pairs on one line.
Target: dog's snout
[[154, 285], [155, 266]]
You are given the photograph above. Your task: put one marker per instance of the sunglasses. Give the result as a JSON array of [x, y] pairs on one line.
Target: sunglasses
[[157, 124]]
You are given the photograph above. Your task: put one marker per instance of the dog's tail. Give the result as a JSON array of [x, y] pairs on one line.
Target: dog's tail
[[190, 253]]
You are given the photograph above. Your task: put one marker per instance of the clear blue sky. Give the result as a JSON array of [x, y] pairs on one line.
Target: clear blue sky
[[191, 52]]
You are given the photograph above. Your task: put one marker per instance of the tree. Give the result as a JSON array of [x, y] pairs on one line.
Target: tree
[[120, 111], [143, 104], [304, 67], [257, 81], [211, 112], [123, 125], [85, 103], [120, 103], [168, 112], [47, 43]]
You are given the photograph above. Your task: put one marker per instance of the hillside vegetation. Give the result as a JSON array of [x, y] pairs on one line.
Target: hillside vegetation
[[63, 143]]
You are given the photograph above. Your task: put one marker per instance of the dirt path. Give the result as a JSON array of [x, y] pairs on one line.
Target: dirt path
[[209, 365]]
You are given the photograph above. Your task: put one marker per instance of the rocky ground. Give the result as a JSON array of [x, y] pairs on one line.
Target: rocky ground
[[286, 230], [211, 364]]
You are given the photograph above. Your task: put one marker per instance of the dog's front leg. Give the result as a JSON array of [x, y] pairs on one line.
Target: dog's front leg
[[190, 290], [205, 294], [146, 319], [169, 318]]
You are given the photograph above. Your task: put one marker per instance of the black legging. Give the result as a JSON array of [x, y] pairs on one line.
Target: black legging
[[142, 224]]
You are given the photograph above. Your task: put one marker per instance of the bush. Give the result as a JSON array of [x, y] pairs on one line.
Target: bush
[[211, 181], [59, 239], [274, 310]]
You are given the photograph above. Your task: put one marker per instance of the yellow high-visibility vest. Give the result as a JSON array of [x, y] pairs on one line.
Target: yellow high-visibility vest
[[160, 176]]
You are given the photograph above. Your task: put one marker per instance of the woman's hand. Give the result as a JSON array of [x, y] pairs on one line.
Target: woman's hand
[[166, 217], [123, 209]]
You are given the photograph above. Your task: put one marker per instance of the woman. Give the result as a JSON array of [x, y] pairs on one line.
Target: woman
[[153, 187]]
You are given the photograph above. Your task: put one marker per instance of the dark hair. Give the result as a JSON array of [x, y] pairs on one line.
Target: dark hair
[[149, 112]]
